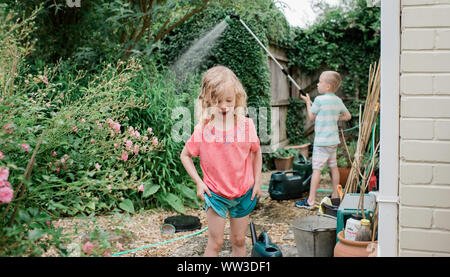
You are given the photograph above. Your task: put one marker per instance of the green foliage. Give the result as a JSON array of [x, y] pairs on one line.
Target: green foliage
[[283, 153], [102, 30], [343, 156], [31, 234], [347, 41], [295, 122]]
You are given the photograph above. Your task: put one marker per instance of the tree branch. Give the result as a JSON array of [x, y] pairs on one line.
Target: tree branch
[[163, 32]]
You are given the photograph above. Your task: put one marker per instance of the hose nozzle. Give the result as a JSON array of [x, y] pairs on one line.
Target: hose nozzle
[[235, 16], [229, 18]]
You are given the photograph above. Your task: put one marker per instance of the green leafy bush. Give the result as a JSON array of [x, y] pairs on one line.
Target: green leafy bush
[[283, 153], [347, 41], [295, 121]]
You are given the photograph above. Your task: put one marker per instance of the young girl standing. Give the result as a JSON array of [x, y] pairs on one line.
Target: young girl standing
[[230, 158]]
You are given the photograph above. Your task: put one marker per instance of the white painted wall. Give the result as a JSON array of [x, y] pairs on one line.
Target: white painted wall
[[424, 172], [389, 129]]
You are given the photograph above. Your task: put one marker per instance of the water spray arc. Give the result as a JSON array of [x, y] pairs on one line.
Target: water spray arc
[[229, 18]]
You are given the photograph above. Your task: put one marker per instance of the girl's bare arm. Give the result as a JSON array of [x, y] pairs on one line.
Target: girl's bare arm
[[188, 164]]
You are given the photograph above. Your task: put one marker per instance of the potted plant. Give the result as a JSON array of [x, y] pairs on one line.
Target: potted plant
[[303, 147], [284, 158], [344, 161]]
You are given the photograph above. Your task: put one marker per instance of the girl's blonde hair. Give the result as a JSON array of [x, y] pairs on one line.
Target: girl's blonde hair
[[214, 83]]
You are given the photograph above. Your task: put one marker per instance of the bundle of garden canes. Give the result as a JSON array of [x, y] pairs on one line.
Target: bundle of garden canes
[[366, 132]]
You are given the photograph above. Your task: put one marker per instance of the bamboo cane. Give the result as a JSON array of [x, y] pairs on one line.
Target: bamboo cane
[[365, 127]]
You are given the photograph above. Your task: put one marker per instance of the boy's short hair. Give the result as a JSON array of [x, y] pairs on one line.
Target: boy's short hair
[[333, 78]]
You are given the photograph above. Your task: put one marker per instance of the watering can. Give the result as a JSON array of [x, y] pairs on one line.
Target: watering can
[[284, 186], [262, 247], [302, 166], [229, 19]]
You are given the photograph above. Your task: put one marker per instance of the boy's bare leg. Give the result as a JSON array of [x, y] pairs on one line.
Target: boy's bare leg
[[238, 228], [315, 180], [216, 227], [335, 180]]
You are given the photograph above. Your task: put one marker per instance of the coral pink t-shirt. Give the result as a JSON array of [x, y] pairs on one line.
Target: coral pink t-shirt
[[225, 157]]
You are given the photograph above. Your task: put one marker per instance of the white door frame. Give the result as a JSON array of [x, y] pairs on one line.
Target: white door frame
[[389, 129]]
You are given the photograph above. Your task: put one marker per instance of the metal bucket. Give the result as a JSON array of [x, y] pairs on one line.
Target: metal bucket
[[315, 236]]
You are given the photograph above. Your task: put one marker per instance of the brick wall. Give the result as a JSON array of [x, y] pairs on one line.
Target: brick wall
[[424, 215]]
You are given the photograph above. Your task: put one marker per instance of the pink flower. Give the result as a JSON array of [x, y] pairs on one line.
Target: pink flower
[[149, 129], [83, 120], [141, 188], [1, 155], [44, 79], [128, 144], [99, 124], [124, 157], [5, 184], [74, 129], [119, 246], [48, 105], [117, 127], [7, 126], [58, 170], [155, 141], [97, 166], [25, 147], [68, 117], [54, 154], [116, 145], [4, 174], [136, 149], [6, 194], [87, 248], [92, 140], [144, 138], [107, 254]]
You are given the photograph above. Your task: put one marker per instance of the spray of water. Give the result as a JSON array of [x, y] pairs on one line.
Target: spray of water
[[198, 52]]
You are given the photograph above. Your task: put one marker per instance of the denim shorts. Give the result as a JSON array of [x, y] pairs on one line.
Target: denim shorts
[[237, 207]]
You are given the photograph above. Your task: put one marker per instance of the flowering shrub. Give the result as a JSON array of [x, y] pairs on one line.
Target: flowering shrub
[[81, 144], [6, 192]]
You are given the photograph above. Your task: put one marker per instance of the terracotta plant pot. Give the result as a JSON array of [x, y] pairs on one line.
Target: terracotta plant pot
[[284, 163], [343, 175], [350, 248], [303, 149]]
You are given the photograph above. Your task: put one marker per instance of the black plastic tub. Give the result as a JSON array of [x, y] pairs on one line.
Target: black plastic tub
[[332, 209]]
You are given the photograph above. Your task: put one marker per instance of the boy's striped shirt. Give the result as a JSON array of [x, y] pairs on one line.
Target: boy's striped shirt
[[327, 107]]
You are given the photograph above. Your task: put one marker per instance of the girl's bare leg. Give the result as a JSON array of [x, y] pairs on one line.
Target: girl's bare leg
[[238, 228], [216, 227]]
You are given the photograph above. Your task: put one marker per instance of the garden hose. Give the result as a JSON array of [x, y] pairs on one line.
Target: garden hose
[[160, 243]]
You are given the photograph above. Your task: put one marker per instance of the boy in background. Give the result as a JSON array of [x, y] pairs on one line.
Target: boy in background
[[325, 112]]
